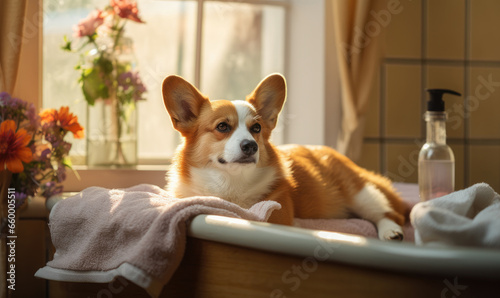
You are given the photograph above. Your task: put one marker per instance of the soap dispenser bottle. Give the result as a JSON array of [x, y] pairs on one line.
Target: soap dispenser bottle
[[436, 162]]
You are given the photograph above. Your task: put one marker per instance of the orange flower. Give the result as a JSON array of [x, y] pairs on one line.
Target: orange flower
[[64, 119], [13, 150]]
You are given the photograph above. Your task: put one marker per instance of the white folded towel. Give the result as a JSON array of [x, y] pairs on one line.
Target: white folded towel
[[469, 217]]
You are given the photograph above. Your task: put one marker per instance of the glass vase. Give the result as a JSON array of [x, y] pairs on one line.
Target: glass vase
[[112, 122], [112, 133]]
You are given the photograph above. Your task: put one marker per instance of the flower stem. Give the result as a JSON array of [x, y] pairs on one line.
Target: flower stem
[[119, 32]]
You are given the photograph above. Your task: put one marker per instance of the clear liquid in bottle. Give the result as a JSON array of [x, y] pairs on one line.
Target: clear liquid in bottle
[[436, 178]]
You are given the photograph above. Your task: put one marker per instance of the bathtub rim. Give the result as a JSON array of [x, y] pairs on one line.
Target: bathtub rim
[[348, 249]]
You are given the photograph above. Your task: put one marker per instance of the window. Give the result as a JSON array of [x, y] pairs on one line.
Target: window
[[223, 47]]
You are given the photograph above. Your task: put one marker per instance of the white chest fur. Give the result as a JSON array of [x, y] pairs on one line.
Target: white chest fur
[[242, 185]]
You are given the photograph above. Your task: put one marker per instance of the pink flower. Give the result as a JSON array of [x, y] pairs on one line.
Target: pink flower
[[126, 9], [87, 26]]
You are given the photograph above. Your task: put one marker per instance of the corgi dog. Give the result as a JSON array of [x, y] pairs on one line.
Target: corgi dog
[[226, 153]]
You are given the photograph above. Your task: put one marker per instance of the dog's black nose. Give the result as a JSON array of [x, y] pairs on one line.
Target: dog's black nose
[[249, 147]]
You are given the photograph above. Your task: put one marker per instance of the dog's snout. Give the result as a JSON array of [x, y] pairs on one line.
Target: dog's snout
[[249, 147]]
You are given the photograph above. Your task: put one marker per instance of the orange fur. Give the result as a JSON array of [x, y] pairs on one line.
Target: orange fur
[[322, 183]]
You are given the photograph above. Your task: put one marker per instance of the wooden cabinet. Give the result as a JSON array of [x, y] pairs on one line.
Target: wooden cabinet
[[32, 250]]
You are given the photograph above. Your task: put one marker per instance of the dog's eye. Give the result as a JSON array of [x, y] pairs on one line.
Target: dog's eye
[[255, 128], [223, 127]]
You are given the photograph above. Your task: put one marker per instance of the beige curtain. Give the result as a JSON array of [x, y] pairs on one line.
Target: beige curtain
[[12, 15], [359, 27]]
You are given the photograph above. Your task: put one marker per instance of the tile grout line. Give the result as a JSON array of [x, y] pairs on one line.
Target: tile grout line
[[466, 158], [445, 62], [382, 120], [423, 69]]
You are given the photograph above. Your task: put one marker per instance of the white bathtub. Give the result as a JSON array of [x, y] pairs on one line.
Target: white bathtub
[[349, 249]]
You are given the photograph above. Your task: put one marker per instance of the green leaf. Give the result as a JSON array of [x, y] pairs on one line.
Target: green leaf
[[67, 44], [93, 86], [67, 163], [105, 65]]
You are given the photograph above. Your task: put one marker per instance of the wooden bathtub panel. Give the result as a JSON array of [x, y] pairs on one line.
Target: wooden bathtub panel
[[211, 269]]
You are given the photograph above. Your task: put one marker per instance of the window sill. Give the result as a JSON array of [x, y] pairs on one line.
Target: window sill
[[114, 177]]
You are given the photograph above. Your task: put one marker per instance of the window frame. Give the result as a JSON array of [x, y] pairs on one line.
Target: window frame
[[153, 171]]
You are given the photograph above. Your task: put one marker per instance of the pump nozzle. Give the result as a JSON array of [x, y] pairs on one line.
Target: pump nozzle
[[436, 103]]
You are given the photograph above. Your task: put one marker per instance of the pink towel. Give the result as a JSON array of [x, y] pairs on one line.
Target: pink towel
[[409, 192], [139, 232]]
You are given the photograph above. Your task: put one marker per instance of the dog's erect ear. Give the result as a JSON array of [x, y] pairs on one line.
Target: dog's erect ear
[[268, 98], [183, 102]]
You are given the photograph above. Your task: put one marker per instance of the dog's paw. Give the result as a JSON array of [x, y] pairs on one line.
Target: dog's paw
[[389, 230], [393, 235]]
